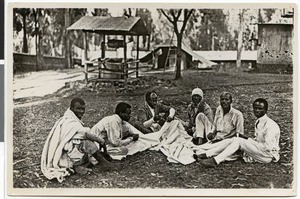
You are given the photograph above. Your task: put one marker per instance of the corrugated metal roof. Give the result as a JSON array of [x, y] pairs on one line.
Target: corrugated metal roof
[[113, 25]]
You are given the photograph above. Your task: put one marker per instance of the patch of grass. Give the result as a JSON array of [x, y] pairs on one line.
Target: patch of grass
[[150, 169]]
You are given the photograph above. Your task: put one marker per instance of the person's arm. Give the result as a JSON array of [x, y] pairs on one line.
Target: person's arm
[[209, 113], [94, 138], [272, 134], [190, 123], [172, 112], [82, 130], [167, 109], [142, 118], [240, 124], [114, 132], [149, 122]]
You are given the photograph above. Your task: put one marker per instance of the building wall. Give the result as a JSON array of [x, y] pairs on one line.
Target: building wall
[[275, 44], [25, 62], [231, 65], [168, 59]]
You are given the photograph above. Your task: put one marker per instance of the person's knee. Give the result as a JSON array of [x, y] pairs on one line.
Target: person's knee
[[123, 150], [90, 147], [229, 140], [201, 116], [239, 141]]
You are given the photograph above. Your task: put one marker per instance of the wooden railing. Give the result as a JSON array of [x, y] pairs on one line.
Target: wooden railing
[[113, 71]]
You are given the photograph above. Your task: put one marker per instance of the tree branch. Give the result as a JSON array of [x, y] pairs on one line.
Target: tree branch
[[176, 18], [187, 15], [167, 16]]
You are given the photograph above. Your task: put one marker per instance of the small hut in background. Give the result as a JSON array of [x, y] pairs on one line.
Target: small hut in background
[[164, 57]]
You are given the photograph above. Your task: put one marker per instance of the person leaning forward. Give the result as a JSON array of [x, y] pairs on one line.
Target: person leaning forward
[[199, 112], [116, 131], [69, 146], [264, 148], [152, 115]]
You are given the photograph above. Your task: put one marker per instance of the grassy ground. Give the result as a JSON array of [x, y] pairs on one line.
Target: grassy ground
[[32, 123]]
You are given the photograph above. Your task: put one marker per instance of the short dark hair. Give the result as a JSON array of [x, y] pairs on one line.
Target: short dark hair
[[75, 100], [262, 100], [227, 93], [121, 107], [148, 95]]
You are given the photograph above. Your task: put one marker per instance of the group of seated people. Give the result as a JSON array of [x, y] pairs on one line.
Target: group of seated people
[[216, 137]]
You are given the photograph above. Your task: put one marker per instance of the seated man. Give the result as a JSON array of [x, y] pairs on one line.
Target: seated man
[[153, 115], [228, 122], [116, 131], [199, 112], [264, 148], [69, 144]]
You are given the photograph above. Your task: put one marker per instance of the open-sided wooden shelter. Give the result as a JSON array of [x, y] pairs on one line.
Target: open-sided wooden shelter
[[124, 26]]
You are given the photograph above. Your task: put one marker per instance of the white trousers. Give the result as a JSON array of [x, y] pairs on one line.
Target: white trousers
[[203, 126], [213, 149], [226, 148]]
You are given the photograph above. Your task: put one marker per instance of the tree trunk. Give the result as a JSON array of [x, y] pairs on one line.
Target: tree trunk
[[212, 40], [240, 41], [85, 44], [68, 58], [25, 43], [40, 53], [178, 60], [36, 39]]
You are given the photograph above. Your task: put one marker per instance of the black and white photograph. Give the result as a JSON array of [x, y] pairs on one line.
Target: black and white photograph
[[145, 99]]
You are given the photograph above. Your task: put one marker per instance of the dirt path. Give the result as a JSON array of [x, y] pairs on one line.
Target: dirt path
[[42, 83]]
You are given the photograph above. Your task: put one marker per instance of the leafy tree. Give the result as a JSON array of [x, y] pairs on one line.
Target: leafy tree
[[145, 15], [208, 30], [20, 23], [174, 17]]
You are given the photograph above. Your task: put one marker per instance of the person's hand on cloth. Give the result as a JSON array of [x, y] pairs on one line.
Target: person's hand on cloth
[[212, 135], [190, 132], [169, 119], [135, 137], [156, 118]]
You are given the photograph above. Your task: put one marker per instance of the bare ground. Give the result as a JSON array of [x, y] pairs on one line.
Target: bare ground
[[34, 119]]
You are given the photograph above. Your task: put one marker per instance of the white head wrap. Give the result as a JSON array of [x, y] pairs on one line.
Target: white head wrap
[[197, 91]]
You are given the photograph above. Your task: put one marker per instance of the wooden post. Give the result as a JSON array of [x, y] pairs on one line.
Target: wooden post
[[137, 57], [125, 61], [85, 57], [103, 47], [102, 55]]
